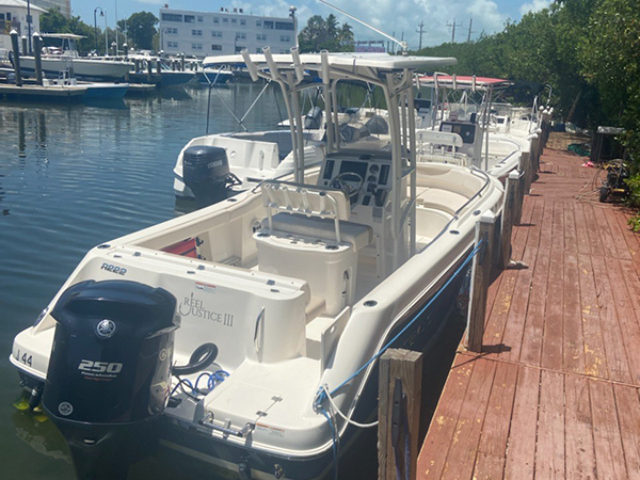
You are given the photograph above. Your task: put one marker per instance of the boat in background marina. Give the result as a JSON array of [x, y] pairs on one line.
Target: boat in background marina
[[260, 318], [468, 129], [56, 59]]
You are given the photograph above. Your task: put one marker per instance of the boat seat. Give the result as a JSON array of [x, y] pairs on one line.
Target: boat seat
[[355, 234], [310, 239]]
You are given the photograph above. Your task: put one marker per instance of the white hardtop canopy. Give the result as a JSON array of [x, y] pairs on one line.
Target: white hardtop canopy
[[64, 36], [357, 61]]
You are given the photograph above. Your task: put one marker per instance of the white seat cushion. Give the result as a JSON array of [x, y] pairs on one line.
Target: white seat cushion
[[359, 236]]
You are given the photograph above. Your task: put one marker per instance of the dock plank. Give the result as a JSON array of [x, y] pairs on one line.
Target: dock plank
[[466, 437], [522, 437], [490, 463], [629, 407], [580, 456], [550, 447], [610, 463]]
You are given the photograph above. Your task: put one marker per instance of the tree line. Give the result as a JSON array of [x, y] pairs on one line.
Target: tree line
[[587, 50], [139, 29]]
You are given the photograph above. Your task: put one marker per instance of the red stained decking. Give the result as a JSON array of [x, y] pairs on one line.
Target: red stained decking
[[555, 395]]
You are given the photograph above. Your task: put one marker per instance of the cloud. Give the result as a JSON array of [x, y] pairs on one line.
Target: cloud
[[534, 6]]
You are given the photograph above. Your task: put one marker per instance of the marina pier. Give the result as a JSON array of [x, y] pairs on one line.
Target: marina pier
[[553, 393]]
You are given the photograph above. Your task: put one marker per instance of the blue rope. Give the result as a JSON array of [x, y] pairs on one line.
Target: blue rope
[[334, 445], [476, 249]]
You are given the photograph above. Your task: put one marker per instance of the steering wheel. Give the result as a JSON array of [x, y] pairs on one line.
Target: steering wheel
[[350, 183]]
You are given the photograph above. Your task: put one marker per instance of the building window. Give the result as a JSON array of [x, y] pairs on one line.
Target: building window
[[196, 33], [171, 17], [284, 26], [171, 31], [258, 23], [261, 37], [216, 47], [243, 23], [196, 46], [199, 18], [234, 20], [258, 50], [172, 44], [216, 20], [239, 49], [189, 19], [268, 24], [225, 20], [241, 36], [285, 38], [216, 34]]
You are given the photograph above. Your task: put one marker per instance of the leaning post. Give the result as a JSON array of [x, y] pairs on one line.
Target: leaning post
[[400, 398], [480, 278]]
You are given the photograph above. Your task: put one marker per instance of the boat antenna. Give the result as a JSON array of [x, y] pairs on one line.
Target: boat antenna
[[403, 45]]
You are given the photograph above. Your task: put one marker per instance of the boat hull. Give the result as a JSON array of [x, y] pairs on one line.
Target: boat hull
[[82, 68], [437, 315]]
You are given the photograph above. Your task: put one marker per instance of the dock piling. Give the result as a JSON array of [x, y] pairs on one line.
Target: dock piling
[[25, 47], [158, 67], [400, 396], [480, 279], [37, 51], [149, 71], [182, 62], [16, 56]]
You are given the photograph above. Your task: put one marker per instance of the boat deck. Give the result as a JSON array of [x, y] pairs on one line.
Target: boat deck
[[555, 393]]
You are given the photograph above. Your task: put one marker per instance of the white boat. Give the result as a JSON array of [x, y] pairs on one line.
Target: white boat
[[57, 59], [292, 289], [467, 133], [256, 156]]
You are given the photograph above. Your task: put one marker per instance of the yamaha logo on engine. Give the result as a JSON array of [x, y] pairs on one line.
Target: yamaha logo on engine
[[106, 328]]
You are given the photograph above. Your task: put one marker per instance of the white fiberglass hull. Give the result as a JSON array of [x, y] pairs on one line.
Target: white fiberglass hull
[[82, 67], [446, 233]]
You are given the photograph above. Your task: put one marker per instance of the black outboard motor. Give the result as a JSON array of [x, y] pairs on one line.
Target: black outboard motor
[[206, 172], [313, 119], [109, 374]]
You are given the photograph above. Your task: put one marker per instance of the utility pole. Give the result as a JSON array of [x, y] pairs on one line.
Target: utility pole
[[421, 31], [453, 29], [470, 31]]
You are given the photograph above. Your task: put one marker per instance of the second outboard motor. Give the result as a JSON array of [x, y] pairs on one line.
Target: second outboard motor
[[206, 172], [109, 374], [313, 119]]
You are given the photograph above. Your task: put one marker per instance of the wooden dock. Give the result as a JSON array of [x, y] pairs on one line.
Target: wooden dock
[[555, 393]]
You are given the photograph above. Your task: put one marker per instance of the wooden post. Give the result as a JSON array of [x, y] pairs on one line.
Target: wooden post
[[25, 49], [158, 67], [37, 53], [529, 164], [508, 218], [518, 196], [182, 62], [16, 57], [149, 71], [480, 278], [406, 367]]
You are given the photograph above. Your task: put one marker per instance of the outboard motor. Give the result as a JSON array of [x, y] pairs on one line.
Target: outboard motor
[[206, 172], [313, 119], [109, 374]]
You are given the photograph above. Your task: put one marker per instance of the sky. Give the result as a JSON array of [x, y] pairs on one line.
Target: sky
[[400, 18]]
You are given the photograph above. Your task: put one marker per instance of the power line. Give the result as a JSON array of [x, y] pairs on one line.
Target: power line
[[453, 26], [470, 31], [421, 31]]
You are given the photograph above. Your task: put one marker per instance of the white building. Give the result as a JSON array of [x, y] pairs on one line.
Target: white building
[[225, 32], [13, 15]]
